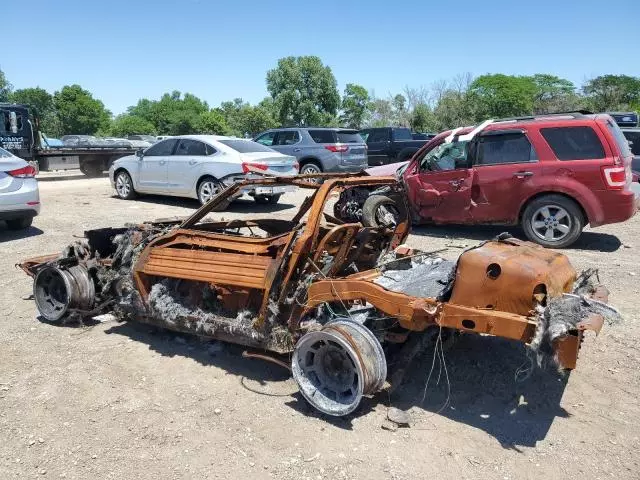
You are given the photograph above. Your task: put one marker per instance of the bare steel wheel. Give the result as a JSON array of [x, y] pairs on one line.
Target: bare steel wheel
[[334, 367], [124, 185]]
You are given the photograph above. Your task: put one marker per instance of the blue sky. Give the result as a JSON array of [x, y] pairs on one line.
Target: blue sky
[[218, 50]]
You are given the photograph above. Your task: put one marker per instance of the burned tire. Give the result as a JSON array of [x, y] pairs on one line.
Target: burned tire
[[553, 221], [19, 223], [267, 199], [124, 185], [382, 211], [209, 187]]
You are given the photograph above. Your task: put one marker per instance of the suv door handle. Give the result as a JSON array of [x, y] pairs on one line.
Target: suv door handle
[[455, 183], [523, 174], [297, 149], [162, 162], [192, 162]]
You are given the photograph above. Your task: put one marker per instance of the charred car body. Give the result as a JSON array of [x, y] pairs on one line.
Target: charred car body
[[343, 297]]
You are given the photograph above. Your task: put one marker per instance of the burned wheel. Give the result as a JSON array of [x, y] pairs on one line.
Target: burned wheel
[[382, 211], [57, 291], [336, 366]]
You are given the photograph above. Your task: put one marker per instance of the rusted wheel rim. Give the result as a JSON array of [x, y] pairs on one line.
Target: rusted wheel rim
[[551, 223]]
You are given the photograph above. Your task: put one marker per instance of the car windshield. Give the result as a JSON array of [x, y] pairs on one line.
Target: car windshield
[[446, 156], [4, 153], [246, 146]]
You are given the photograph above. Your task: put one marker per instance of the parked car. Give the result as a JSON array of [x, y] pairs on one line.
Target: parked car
[[552, 174], [633, 136], [390, 144], [199, 166], [19, 194], [319, 150], [625, 119]]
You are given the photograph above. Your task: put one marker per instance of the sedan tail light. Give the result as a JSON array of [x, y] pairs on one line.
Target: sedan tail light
[[615, 177], [248, 167], [337, 148], [24, 172]]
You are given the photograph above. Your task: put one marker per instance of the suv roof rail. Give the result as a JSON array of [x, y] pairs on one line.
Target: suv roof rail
[[573, 114]]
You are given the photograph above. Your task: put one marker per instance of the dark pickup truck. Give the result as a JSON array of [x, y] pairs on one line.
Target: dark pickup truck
[[391, 144]]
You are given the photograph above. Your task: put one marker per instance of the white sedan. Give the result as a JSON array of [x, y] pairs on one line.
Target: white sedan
[[199, 166], [19, 195]]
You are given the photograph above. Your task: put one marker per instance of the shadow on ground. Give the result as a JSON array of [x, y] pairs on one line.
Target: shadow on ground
[[483, 391], [480, 389], [591, 240], [6, 235], [241, 205]]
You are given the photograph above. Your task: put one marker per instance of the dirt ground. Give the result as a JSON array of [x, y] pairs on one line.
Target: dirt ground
[[120, 400]]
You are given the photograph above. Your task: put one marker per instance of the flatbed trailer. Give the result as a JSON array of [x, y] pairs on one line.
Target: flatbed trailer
[[21, 136]]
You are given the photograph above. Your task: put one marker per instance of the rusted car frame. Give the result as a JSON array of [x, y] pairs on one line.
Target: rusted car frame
[[336, 294]]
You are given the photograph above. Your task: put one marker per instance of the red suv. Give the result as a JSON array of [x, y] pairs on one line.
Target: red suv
[[552, 174]]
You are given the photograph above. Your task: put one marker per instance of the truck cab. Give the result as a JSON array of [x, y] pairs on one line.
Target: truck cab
[[16, 130]]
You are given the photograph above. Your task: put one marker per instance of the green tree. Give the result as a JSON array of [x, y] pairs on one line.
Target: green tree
[[213, 123], [499, 95], [354, 105], [79, 112], [422, 118], [173, 114], [126, 124], [304, 91], [554, 94], [244, 119], [400, 113], [381, 113], [5, 88], [40, 103], [612, 92]]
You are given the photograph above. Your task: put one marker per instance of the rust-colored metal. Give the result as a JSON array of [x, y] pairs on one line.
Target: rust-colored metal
[[496, 289], [506, 275]]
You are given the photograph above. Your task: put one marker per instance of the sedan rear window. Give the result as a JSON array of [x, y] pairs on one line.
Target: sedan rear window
[[4, 153], [323, 136], [349, 137], [573, 143], [246, 146]]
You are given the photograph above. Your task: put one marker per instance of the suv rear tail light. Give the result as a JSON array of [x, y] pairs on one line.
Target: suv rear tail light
[[615, 177], [254, 167], [24, 172], [337, 148]]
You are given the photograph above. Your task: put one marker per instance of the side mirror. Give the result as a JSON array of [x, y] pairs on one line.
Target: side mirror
[[139, 154]]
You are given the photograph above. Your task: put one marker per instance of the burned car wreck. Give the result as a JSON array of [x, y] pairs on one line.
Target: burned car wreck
[[341, 296]]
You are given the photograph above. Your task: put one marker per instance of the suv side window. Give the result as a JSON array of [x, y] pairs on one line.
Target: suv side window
[[267, 139], [504, 148], [161, 149], [191, 148], [323, 136], [573, 143], [288, 137]]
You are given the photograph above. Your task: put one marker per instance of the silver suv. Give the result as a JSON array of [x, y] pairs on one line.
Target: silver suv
[[319, 149]]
